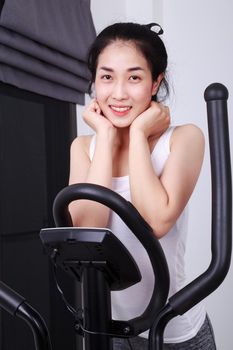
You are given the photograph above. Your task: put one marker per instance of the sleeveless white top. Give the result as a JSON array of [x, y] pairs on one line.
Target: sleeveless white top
[[131, 302]]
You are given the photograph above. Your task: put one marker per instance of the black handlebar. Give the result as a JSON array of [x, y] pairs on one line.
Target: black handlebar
[[216, 96], [136, 224], [16, 305]]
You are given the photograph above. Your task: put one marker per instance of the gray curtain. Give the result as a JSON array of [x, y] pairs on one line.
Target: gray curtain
[[44, 46]]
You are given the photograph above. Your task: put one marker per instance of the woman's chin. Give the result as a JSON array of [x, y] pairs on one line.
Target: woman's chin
[[122, 124], [121, 121]]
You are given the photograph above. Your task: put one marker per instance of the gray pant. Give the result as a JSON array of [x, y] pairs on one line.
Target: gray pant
[[204, 340]]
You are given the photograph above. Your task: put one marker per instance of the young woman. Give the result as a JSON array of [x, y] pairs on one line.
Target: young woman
[[136, 152]]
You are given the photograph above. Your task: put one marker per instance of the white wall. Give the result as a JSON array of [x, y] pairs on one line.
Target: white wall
[[198, 36]]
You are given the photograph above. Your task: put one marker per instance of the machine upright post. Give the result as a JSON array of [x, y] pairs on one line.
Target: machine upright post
[[96, 304]]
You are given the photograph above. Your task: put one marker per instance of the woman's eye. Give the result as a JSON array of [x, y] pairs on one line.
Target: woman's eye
[[134, 78], [106, 77]]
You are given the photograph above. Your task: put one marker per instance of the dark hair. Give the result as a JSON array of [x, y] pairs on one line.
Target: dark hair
[[145, 39]]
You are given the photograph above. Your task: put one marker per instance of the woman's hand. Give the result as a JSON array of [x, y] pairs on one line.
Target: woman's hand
[[93, 116], [153, 121]]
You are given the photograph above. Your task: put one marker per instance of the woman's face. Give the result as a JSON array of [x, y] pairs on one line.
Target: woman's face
[[123, 83]]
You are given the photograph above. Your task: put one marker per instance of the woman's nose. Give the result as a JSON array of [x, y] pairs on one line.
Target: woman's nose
[[119, 91]]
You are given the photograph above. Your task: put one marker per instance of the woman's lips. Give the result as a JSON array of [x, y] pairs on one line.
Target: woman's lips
[[120, 110]]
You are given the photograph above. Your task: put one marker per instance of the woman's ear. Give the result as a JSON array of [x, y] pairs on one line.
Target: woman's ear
[[93, 94], [156, 84]]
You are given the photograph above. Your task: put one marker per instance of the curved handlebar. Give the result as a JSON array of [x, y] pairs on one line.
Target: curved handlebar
[[16, 305], [216, 96], [136, 224]]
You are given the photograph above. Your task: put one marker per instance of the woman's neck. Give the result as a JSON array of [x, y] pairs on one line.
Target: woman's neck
[[122, 138]]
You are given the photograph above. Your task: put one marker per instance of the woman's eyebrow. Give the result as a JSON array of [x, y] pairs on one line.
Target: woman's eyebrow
[[135, 69], [131, 69], [107, 69]]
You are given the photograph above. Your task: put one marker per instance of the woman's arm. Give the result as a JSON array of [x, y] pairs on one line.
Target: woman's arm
[[161, 200], [98, 171]]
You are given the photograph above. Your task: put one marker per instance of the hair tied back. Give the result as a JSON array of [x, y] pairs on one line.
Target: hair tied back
[[151, 25]]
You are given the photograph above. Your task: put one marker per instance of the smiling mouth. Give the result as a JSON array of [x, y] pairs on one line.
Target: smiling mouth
[[120, 109]]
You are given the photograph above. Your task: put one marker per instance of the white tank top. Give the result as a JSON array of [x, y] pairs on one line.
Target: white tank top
[[131, 302]]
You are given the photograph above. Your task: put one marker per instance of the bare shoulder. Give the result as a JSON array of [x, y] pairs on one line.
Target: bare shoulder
[[188, 134], [79, 159]]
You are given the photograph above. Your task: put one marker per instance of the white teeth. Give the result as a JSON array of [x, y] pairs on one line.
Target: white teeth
[[120, 109]]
